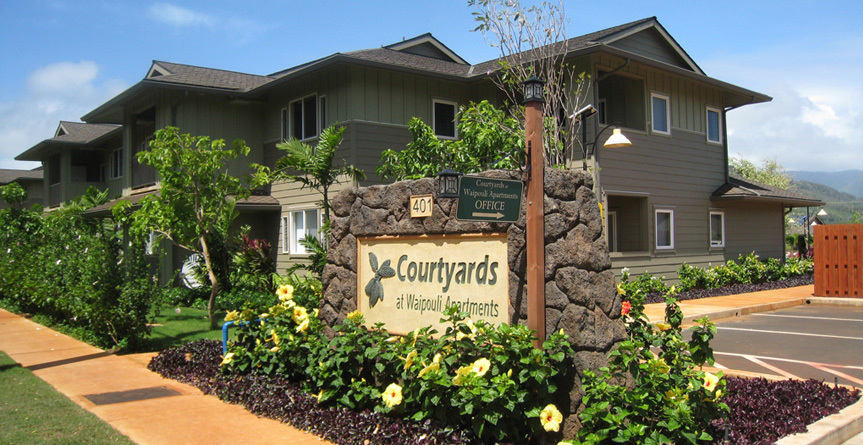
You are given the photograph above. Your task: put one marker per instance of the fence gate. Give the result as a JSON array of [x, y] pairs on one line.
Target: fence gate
[[838, 258]]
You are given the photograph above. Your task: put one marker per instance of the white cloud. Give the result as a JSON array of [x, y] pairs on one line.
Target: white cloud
[[178, 16], [815, 121], [60, 91]]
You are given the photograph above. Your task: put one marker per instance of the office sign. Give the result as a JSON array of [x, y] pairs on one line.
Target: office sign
[[486, 199]]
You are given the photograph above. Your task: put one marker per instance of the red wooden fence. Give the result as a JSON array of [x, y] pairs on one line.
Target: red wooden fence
[[839, 260]]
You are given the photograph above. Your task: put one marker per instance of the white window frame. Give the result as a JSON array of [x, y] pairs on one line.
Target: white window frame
[[290, 122], [116, 164], [666, 98], [707, 125], [611, 220], [721, 214], [670, 214], [290, 242], [455, 118]]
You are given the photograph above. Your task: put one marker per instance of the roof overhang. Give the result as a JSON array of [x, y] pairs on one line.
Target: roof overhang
[[785, 201], [49, 147], [739, 189], [254, 203]]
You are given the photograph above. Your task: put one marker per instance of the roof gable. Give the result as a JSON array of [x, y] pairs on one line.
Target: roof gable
[[648, 38], [427, 45]]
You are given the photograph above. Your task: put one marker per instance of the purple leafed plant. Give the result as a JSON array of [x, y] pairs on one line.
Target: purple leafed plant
[[694, 294], [763, 411]]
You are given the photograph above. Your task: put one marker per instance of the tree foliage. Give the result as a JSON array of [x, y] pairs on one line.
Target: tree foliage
[[532, 41], [196, 198], [312, 167], [770, 172], [490, 138]]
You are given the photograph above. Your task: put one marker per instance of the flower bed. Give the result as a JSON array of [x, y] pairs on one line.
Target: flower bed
[[760, 411]]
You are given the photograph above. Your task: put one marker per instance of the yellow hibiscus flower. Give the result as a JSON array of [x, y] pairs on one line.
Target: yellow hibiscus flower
[[275, 349], [710, 381], [662, 326], [550, 418], [355, 315], [481, 366], [232, 315], [303, 326], [276, 338], [299, 314], [285, 292], [392, 395], [229, 357], [409, 360]]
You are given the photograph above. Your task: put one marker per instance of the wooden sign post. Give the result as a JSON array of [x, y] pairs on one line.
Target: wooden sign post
[[535, 213]]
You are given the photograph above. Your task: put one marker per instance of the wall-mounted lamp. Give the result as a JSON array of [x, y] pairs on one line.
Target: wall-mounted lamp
[[617, 139], [448, 183]]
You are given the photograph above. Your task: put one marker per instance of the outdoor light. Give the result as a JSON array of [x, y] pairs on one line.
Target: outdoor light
[[533, 90], [617, 140], [822, 213], [448, 183]]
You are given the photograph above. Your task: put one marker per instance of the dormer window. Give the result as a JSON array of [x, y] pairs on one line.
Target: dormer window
[[303, 120]]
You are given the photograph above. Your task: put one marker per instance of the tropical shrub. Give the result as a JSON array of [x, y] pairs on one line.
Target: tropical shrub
[[251, 264], [491, 380], [79, 272], [652, 391]]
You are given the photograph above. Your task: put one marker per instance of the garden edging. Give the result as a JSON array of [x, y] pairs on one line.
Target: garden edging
[[831, 430]]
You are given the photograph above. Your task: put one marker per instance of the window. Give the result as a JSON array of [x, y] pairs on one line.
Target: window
[[714, 126], [444, 119], [717, 229], [624, 99], [297, 225], [117, 163], [303, 118], [612, 232], [660, 113], [665, 229]]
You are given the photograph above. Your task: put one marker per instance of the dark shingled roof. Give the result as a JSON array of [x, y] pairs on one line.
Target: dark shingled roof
[[740, 188], [10, 175], [206, 77], [254, 202], [81, 133], [411, 61]]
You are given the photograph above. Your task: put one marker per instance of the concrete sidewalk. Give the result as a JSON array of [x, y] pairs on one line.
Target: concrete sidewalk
[[139, 403], [741, 304]]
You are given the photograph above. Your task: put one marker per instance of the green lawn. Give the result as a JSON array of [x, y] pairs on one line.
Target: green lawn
[[174, 329], [34, 412]]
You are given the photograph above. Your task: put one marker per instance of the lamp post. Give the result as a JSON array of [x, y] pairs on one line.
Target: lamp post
[[535, 236]]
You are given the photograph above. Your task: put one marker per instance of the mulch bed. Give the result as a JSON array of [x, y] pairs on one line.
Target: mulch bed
[[761, 411], [694, 294]]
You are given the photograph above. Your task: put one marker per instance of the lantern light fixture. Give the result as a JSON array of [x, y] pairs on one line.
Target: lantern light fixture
[[533, 90], [448, 183]]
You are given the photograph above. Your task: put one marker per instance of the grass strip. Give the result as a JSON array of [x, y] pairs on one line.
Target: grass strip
[[35, 413]]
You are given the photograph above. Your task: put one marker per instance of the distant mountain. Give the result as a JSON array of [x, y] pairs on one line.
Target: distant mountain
[[848, 181], [821, 191]]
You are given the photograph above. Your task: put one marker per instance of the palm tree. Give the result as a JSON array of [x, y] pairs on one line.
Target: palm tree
[[313, 166]]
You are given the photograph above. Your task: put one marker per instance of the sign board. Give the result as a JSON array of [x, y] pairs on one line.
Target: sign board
[[407, 282], [421, 206], [486, 199]]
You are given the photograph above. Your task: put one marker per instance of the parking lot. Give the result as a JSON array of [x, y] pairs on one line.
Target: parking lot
[[817, 342]]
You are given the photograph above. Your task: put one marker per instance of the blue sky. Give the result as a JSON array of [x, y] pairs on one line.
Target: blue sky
[[60, 59]]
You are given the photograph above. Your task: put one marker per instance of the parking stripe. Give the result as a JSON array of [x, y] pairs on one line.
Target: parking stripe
[[807, 318], [788, 360], [839, 374], [788, 333], [779, 371]]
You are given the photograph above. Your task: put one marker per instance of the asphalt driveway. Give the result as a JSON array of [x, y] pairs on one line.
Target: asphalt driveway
[[808, 342]]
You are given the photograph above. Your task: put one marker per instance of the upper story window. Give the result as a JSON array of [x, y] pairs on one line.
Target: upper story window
[[664, 229], [717, 229], [714, 125], [116, 163], [660, 114], [444, 118], [624, 99], [300, 119]]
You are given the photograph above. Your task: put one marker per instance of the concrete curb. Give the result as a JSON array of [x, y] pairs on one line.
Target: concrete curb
[[746, 310], [831, 430], [831, 301]]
